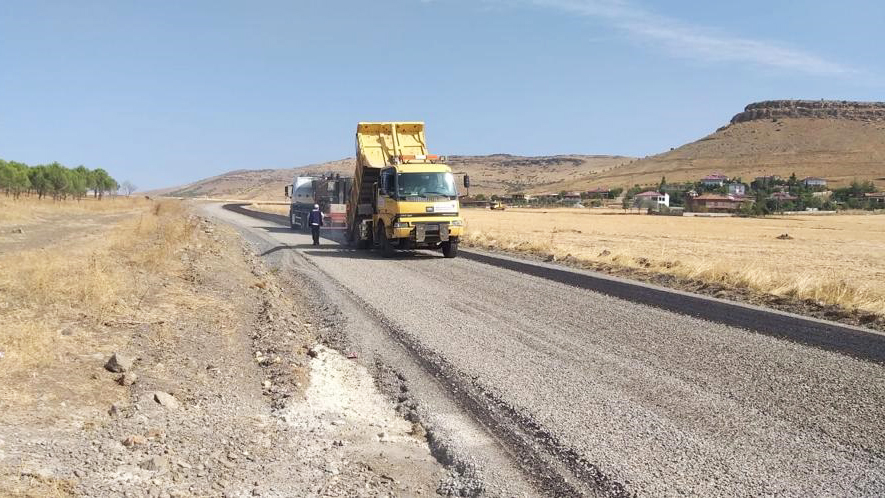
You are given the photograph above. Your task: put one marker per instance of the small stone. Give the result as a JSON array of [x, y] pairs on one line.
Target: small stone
[[127, 379], [266, 384], [166, 399], [18, 230], [119, 363], [134, 440], [154, 463], [313, 352], [157, 434], [116, 410]]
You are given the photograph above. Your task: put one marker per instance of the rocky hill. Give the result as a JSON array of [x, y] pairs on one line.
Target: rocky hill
[[836, 140], [821, 109]]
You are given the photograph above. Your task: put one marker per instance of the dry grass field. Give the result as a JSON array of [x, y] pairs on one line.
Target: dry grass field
[[29, 209], [95, 277], [837, 259]]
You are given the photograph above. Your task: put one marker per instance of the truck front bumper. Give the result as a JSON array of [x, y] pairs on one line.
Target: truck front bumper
[[428, 230]]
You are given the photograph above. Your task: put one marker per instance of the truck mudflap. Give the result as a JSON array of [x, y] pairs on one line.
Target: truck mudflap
[[365, 230]]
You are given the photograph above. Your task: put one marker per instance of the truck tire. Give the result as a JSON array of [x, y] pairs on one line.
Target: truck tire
[[384, 245], [291, 220], [355, 238], [450, 248], [304, 225]]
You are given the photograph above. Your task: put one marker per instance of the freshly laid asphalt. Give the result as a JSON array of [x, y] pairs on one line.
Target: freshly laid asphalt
[[590, 393]]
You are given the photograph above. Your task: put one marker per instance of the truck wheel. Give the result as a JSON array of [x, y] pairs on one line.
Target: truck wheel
[[304, 225], [384, 244], [291, 220], [450, 248], [356, 240]]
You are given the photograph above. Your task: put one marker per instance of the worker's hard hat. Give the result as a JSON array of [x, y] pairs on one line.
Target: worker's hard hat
[[316, 206]]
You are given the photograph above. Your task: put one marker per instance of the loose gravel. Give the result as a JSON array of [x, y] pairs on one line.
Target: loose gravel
[[654, 402]]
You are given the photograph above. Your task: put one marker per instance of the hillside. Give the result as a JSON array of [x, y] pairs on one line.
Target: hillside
[[264, 184], [836, 140], [839, 141], [494, 174]]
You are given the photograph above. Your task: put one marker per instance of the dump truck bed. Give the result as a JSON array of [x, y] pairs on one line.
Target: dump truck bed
[[376, 144]]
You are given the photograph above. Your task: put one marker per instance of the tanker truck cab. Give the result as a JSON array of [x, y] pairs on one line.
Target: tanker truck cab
[[417, 206]]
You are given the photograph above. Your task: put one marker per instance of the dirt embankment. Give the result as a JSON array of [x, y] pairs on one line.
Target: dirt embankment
[[218, 387]]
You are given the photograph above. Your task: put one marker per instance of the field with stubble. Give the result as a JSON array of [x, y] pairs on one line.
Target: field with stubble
[[834, 260]]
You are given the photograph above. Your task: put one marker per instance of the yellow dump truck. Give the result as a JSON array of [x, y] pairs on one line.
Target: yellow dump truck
[[402, 197]]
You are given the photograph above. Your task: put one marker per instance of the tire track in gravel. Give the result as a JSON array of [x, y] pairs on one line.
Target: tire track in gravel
[[551, 465]]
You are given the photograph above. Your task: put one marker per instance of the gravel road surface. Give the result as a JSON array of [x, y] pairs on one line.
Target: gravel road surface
[[589, 394]]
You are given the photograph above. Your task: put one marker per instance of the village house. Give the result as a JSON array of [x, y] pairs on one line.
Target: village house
[[738, 189], [813, 181], [598, 193], [651, 199], [546, 198], [717, 203], [783, 197], [875, 197], [714, 180], [571, 197], [767, 180]]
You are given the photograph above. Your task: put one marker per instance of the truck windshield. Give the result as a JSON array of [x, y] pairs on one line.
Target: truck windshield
[[426, 184]]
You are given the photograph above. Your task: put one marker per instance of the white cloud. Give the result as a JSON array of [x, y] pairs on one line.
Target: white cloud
[[690, 41]]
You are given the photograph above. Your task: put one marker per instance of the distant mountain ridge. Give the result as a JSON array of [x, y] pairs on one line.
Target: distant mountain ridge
[[836, 140], [497, 173]]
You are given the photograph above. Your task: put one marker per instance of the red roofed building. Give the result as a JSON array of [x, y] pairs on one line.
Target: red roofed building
[[717, 203], [651, 199], [598, 193], [714, 180]]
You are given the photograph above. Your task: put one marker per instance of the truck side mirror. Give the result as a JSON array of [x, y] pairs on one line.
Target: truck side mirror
[[466, 181], [288, 195]]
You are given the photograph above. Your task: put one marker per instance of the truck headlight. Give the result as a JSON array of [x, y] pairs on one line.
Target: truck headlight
[[457, 223], [401, 224]]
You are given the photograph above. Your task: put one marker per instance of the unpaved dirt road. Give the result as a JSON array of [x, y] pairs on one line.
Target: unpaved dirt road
[[532, 387]]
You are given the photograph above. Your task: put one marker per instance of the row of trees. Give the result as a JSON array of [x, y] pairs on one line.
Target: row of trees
[[56, 181]]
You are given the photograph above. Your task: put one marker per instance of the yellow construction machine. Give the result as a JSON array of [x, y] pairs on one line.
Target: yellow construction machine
[[402, 197]]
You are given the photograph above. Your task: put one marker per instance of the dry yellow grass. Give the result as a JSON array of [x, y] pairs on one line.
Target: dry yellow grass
[[30, 208], [107, 276], [836, 259]]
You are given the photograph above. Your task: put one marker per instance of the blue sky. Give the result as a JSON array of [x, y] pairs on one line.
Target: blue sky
[[167, 92]]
